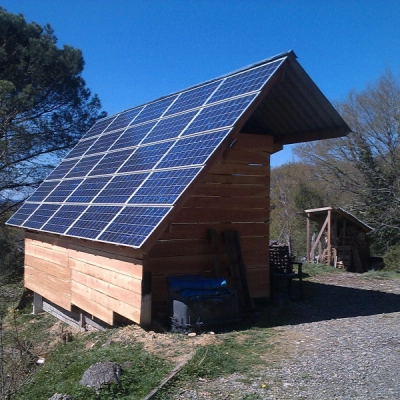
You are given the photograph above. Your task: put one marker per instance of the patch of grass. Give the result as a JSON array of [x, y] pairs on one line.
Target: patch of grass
[[65, 366], [239, 352], [381, 274], [318, 269]]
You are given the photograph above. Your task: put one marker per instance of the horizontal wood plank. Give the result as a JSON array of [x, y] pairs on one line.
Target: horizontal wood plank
[[241, 169], [227, 202], [248, 141], [80, 298], [121, 266], [180, 248], [61, 299], [46, 253], [205, 215], [48, 267], [211, 189], [246, 157], [47, 280], [110, 290], [106, 302], [107, 275], [200, 231], [235, 179]]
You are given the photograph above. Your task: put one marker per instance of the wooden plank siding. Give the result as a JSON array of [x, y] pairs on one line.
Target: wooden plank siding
[[233, 195], [100, 279]]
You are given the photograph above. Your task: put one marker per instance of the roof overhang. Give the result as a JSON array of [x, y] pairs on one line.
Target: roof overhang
[[292, 109]]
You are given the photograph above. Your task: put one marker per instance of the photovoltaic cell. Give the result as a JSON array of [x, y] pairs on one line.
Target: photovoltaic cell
[[193, 150], [245, 82], [133, 225], [154, 110], [63, 190], [133, 136], [164, 187], [123, 119], [219, 115], [92, 222], [170, 127], [193, 98], [145, 157], [120, 188], [88, 189], [64, 218], [22, 214], [41, 216]]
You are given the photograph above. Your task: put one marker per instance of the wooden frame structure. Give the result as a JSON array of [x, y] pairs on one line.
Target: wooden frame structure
[[341, 240], [108, 281]]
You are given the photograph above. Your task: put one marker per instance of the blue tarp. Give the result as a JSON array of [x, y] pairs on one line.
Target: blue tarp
[[195, 282]]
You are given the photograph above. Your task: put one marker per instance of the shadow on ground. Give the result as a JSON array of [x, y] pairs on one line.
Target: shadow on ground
[[323, 302]]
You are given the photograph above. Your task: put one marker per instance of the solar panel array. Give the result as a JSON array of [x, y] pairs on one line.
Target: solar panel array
[[124, 176]]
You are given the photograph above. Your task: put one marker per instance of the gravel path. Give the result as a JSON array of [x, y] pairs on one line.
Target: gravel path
[[344, 343]]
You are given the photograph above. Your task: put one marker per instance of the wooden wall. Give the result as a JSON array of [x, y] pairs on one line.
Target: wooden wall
[[98, 278], [233, 195]]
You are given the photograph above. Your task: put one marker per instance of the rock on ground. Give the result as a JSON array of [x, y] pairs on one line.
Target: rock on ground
[[101, 373]]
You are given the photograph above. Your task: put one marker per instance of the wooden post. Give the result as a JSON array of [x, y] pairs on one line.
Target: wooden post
[[145, 312], [328, 258], [308, 238]]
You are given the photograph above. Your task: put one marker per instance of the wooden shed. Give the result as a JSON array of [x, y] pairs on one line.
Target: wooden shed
[[340, 239], [133, 202]]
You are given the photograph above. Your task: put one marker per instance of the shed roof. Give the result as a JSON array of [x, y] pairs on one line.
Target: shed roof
[[319, 214], [124, 177]]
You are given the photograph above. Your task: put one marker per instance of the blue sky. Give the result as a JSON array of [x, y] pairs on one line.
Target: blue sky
[[136, 51]]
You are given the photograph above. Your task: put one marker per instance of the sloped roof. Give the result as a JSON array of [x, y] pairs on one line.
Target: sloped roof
[[124, 177], [319, 214]]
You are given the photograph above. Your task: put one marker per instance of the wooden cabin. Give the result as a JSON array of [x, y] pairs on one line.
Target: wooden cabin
[[340, 239], [133, 203]]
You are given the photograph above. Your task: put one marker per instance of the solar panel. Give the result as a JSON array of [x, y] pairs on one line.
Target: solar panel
[[120, 188], [22, 214], [62, 169], [133, 136], [92, 222], [64, 218], [169, 128], [43, 191], [245, 82], [88, 190], [63, 190], [146, 157], [133, 225], [123, 119], [192, 150], [104, 142], [169, 186], [125, 175], [83, 166], [40, 216], [99, 126]]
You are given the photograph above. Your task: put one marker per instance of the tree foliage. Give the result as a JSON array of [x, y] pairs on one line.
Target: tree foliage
[[294, 189], [365, 165], [45, 106]]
